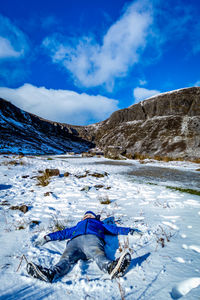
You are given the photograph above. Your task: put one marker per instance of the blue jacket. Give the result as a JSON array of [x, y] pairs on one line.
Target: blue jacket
[[88, 226]]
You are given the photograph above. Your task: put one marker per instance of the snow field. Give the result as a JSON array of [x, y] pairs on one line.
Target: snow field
[[165, 260]]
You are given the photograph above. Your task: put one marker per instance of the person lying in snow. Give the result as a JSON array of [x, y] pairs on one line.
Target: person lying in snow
[[86, 241]]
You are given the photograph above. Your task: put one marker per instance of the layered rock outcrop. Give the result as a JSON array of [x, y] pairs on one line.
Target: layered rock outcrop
[[167, 125]]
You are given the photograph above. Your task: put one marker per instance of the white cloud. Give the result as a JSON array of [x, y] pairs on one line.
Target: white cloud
[[60, 105], [94, 64], [142, 82], [6, 49], [13, 43], [197, 83], [142, 93]]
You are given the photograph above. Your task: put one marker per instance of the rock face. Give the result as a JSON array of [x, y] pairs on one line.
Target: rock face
[[167, 125], [22, 132]]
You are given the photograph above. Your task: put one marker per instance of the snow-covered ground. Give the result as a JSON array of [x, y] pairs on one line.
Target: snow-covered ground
[[165, 260]]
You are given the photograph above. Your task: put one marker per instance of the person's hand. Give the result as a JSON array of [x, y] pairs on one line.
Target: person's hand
[[135, 231], [40, 241]]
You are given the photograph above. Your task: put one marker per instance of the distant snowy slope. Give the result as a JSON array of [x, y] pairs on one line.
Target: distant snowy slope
[[22, 132]]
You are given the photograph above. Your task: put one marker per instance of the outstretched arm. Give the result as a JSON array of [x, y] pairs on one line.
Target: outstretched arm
[[61, 234], [54, 236], [112, 229]]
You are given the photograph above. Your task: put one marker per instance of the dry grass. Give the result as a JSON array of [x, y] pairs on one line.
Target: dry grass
[[121, 290], [98, 175], [162, 237], [57, 224], [104, 200], [125, 245], [14, 163], [182, 190], [162, 158], [44, 179]]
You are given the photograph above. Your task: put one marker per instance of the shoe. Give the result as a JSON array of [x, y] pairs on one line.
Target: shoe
[[40, 272], [118, 267]]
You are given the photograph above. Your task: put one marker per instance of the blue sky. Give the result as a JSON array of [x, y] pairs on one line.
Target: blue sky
[[78, 61]]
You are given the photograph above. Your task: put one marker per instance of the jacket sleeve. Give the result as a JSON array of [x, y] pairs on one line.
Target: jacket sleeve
[[112, 229], [62, 234]]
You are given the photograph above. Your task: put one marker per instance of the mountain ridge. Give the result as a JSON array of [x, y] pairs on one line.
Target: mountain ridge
[[165, 125], [25, 133]]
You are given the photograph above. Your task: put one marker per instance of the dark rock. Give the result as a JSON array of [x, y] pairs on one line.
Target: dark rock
[[67, 174], [47, 194], [4, 203], [25, 176], [79, 176], [98, 175], [99, 186], [23, 208], [52, 172]]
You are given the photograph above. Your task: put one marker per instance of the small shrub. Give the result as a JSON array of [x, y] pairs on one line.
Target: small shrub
[[197, 161], [129, 156], [4, 203], [57, 225], [104, 200], [23, 208], [98, 175], [86, 154], [14, 163], [162, 237], [43, 180], [47, 194], [52, 172]]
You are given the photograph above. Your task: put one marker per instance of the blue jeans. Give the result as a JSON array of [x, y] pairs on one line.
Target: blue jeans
[[82, 247]]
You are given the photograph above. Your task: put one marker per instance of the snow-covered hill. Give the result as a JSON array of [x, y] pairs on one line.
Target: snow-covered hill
[[165, 260], [22, 132]]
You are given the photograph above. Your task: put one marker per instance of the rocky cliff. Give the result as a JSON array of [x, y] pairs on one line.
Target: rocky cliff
[[22, 132], [164, 126], [167, 125]]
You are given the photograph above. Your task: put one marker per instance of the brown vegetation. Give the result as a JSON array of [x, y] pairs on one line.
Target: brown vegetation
[[23, 208], [44, 179]]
